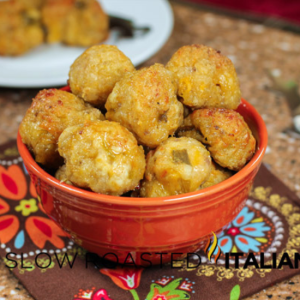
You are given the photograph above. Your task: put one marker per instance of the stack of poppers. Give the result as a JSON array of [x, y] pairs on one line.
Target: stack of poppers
[[182, 116]]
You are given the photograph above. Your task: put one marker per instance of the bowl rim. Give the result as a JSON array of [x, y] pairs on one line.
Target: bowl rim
[[168, 200]]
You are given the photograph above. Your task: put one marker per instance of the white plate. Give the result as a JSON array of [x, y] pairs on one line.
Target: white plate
[[48, 65]]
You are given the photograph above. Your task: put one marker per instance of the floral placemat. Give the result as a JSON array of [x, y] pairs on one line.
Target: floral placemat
[[52, 267]]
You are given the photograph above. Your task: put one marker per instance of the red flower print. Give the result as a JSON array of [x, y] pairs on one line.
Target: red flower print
[[9, 226], [101, 295], [41, 230], [4, 207], [13, 184], [125, 278], [90, 295]]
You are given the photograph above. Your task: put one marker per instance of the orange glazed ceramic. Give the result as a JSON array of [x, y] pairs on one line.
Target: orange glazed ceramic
[[177, 224]]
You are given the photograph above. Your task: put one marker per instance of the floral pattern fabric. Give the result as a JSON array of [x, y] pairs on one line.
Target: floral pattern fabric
[[245, 234], [22, 218]]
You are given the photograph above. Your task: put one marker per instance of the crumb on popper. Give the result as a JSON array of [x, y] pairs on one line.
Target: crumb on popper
[[229, 139], [217, 175], [94, 73], [75, 22], [102, 156], [188, 129], [145, 102], [50, 113], [205, 78], [20, 28], [177, 166]]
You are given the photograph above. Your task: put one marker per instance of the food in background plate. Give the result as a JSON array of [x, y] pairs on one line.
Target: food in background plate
[[228, 137], [49, 114], [205, 78], [102, 156], [177, 166], [217, 175], [20, 28], [75, 22], [32, 3], [26, 24], [145, 103], [94, 73]]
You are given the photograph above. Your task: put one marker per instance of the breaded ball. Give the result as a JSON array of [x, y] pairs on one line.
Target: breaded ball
[[61, 175], [205, 78], [217, 175], [191, 133], [188, 129], [75, 22], [102, 156], [49, 114], [229, 139], [177, 166], [94, 74], [20, 28], [145, 102]]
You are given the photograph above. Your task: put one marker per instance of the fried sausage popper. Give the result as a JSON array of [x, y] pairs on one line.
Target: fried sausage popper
[[145, 103], [75, 22], [205, 78], [227, 135], [94, 73], [177, 166], [49, 114], [217, 175], [20, 28], [102, 156]]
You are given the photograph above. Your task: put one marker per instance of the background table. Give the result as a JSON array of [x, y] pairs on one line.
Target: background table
[[256, 51]]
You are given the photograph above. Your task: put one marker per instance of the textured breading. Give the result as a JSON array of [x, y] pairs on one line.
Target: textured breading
[[94, 73], [102, 156], [61, 175], [177, 166], [217, 175], [75, 22], [20, 28], [49, 114], [145, 102], [205, 78], [188, 129], [227, 135]]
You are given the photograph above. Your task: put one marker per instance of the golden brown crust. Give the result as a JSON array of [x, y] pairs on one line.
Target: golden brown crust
[[62, 176], [188, 129], [177, 166], [49, 114], [94, 73], [227, 135], [102, 156], [191, 133], [145, 102], [217, 175], [20, 28], [75, 22], [205, 78]]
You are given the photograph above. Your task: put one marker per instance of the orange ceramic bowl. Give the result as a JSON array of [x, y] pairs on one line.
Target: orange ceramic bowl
[[177, 224]]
